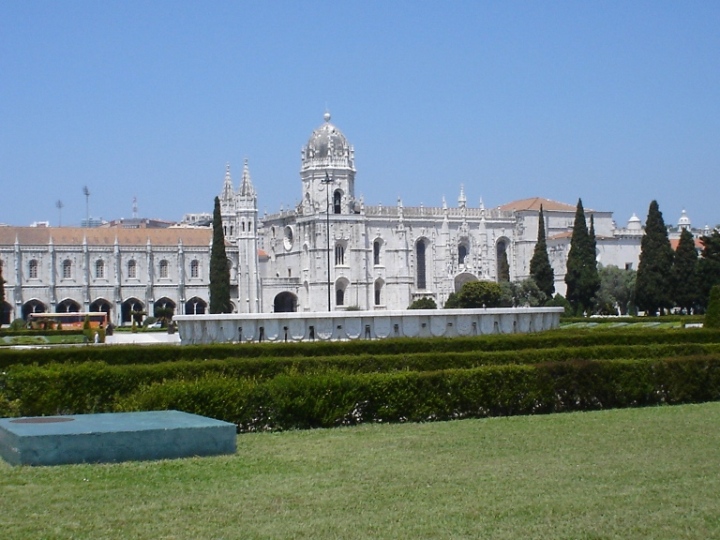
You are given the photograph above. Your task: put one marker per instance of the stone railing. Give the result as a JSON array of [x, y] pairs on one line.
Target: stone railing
[[282, 327]]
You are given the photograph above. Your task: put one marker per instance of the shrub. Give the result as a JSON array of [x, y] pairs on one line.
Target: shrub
[[478, 294], [423, 303]]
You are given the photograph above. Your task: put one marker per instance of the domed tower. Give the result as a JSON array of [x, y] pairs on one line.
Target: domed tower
[[684, 221], [328, 160]]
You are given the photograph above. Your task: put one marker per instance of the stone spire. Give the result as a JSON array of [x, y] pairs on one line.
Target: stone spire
[[228, 192], [462, 199], [246, 186]]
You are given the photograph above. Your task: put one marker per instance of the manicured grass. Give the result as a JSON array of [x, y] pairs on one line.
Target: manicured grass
[[633, 473]]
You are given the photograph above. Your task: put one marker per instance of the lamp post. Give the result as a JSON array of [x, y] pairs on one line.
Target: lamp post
[[327, 183]]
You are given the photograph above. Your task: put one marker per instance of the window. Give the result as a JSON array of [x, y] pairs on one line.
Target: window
[[100, 269], [32, 269], [132, 269], [376, 252], [67, 269], [339, 297], [163, 269], [378, 291], [462, 253], [195, 269], [339, 255], [337, 202], [420, 252]]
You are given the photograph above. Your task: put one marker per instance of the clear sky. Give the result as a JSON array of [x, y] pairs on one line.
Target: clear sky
[[614, 102]]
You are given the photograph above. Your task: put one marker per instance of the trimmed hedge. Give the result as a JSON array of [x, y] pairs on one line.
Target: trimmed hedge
[[130, 354], [96, 386], [334, 399]]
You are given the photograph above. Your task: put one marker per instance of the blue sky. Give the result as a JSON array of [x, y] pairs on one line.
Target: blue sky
[[614, 102]]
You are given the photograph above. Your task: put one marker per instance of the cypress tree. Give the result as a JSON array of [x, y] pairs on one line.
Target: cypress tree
[[581, 277], [653, 287], [2, 296], [503, 267], [712, 316], [219, 271], [540, 269], [684, 273], [709, 265]]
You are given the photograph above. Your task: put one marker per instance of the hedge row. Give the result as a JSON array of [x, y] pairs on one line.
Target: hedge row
[[132, 354], [96, 386], [327, 400]]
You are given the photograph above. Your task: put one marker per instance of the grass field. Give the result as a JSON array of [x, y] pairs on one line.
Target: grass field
[[633, 473]]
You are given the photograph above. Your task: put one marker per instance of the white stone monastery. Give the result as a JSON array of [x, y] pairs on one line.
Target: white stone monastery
[[332, 252]]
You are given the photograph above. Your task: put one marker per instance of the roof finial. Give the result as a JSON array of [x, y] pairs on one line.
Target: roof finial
[[326, 116]]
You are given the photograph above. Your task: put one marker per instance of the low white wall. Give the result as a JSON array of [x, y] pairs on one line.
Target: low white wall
[[279, 327]]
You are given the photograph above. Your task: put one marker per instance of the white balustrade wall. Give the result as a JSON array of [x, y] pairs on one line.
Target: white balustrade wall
[[350, 325]]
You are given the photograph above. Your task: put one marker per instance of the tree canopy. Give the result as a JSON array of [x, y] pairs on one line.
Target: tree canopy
[[478, 294], [581, 276], [540, 269], [219, 269], [653, 286], [2, 296]]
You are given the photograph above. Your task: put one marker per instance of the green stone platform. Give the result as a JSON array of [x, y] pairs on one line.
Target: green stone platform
[[113, 437]]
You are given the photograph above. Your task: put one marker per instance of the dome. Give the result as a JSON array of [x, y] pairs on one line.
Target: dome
[[684, 221], [634, 223], [327, 141]]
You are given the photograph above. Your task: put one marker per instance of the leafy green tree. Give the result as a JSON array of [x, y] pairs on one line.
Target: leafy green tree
[[452, 301], [540, 269], [423, 303], [477, 294], [683, 275], [219, 271], [712, 315], [653, 287], [709, 266], [560, 301], [521, 293], [581, 276], [617, 287]]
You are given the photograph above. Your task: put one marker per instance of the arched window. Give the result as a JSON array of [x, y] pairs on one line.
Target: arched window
[[100, 269], [163, 269], [339, 255], [337, 202], [376, 252], [339, 297], [420, 252], [194, 269], [462, 253], [32, 269], [132, 269], [378, 292], [67, 269]]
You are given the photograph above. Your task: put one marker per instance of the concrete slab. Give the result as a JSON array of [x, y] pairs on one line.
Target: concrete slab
[[113, 437]]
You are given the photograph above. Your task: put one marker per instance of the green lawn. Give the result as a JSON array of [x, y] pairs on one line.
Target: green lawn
[[633, 473]]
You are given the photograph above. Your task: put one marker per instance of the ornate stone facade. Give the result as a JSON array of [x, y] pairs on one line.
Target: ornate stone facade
[[331, 252]]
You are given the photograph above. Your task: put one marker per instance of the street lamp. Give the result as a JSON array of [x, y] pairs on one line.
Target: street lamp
[[327, 183]]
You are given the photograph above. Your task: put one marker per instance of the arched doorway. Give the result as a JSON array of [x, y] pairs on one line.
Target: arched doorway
[[132, 308], [195, 306], [32, 306], [285, 302], [462, 279], [67, 306], [102, 305]]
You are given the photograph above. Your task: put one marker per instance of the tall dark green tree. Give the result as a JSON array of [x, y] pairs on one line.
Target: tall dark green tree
[[2, 296], [581, 277], [653, 289], [540, 269], [684, 273], [709, 266], [503, 267], [219, 269]]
